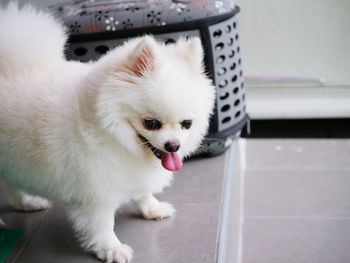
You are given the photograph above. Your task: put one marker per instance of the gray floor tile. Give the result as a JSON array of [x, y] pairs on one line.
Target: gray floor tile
[[189, 236], [298, 154], [53, 242], [296, 241], [299, 193], [27, 222], [199, 183], [171, 240]]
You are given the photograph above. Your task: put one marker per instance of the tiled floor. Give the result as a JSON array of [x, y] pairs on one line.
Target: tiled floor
[[296, 206], [189, 236], [290, 203]]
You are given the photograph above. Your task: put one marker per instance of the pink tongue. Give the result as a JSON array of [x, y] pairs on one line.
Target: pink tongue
[[171, 161]]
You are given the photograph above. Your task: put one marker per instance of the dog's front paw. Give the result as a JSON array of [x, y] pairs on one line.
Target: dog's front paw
[[120, 253], [158, 211]]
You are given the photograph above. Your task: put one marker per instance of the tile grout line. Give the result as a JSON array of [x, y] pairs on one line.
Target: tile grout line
[[298, 218], [301, 168], [26, 243]]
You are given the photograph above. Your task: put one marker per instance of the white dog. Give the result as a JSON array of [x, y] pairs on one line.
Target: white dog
[[94, 136]]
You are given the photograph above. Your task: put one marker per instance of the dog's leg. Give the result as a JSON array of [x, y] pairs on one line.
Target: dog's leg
[[26, 202], [94, 226], [152, 209]]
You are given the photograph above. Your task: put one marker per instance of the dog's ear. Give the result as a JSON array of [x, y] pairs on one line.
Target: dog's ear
[[194, 52], [142, 57]]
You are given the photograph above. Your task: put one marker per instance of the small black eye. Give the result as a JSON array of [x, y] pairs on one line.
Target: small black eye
[[186, 124], [151, 124]]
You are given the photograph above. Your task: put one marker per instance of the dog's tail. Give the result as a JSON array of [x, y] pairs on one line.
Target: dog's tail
[[29, 37]]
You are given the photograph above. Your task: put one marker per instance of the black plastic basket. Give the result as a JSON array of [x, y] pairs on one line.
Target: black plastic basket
[[97, 26]]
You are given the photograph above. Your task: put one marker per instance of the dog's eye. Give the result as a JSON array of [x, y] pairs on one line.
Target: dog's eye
[[151, 124], [186, 124]]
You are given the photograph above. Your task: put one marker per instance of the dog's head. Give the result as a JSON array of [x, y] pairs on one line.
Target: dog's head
[[156, 101]]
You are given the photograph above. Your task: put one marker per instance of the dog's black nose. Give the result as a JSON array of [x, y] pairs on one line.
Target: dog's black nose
[[172, 146]]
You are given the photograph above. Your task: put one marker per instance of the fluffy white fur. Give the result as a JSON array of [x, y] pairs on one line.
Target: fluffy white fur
[[69, 131]]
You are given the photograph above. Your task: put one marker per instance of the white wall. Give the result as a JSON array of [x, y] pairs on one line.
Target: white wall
[[303, 38]]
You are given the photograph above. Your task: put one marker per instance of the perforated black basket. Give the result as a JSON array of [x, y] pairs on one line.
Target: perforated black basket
[[97, 26]]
